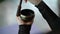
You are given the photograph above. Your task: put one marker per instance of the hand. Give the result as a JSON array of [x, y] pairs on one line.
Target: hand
[[21, 22], [35, 2]]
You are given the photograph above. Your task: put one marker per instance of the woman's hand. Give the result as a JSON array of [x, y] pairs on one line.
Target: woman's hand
[[35, 2], [21, 22]]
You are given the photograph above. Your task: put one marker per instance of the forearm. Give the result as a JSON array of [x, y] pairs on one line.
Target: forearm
[[48, 14], [24, 29], [52, 19], [46, 11]]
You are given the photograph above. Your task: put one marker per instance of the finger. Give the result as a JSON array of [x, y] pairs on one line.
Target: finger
[[20, 22]]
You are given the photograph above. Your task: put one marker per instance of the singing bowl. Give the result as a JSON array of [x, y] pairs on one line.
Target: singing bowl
[[27, 15]]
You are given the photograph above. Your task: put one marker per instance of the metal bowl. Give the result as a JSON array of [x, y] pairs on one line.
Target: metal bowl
[[27, 15]]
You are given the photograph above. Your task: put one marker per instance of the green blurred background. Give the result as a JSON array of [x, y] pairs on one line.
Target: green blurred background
[[1, 1]]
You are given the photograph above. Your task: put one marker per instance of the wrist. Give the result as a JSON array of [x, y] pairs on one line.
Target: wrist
[[39, 3], [24, 24], [35, 2]]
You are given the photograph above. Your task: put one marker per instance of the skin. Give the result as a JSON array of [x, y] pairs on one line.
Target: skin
[[35, 2], [21, 22]]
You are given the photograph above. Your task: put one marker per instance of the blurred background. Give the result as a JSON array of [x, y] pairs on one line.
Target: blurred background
[[8, 9]]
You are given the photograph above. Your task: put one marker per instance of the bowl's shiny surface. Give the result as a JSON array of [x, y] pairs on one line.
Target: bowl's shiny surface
[[27, 14]]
